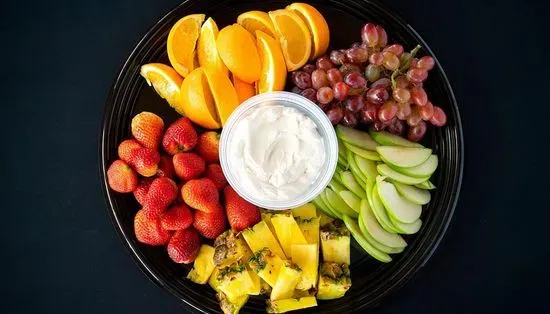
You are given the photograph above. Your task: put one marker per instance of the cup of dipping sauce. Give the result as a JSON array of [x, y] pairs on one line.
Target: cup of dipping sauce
[[278, 150]]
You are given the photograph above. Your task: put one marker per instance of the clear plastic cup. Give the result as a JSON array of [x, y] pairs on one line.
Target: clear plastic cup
[[324, 128]]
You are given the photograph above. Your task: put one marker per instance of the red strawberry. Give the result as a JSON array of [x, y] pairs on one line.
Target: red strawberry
[[140, 193], [214, 172], [240, 213], [121, 177], [145, 161], [177, 217], [162, 193], [201, 194], [184, 246], [210, 225], [179, 137], [149, 231], [127, 149], [147, 128], [166, 167], [208, 146], [188, 165]]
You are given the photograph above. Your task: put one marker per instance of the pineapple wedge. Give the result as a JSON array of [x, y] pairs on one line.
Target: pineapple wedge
[[259, 236], [305, 211], [307, 257], [266, 216], [335, 242], [214, 281], [230, 248], [310, 229], [334, 281], [286, 305], [235, 281], [288, 278], [256, 280], [231, 306], [288, 232], [203, 265], [267, 265]]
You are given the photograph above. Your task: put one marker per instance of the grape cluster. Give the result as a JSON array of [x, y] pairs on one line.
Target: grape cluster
[[372, 83]]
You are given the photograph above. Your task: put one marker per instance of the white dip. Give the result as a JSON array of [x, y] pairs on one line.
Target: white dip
[[277, 152]]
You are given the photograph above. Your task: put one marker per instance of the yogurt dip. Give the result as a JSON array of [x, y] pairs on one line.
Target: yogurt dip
[[276, 152]]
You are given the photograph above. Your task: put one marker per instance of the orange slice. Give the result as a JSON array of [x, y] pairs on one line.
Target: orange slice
[[238, 52], [181, 43], [294, 37], [273, 64], [223, 91], [244, 90], [254, 21], [165, 80], [317, 26], [206, 47], [197, 101]]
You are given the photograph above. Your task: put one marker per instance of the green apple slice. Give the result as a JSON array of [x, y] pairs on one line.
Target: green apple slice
[[380, 212], [367, 167], [413, 194], [367, 154], [349, 181], [337, 204], [425, 169], [375, 229], [335, 214], [336, 186], [404, 228], [376, 244], [368, 191], [388, 139], [342, 151], [322, 206], [403, 156], [355, 168], [343, 162], [397, 206], [353, 228], [426, 185], [355, 137], [385, 170], [351, 200]]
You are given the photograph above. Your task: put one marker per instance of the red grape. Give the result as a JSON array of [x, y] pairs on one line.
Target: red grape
[[369, 113], [349, 68], [296, 89], [414, 63], [337, 57], [372, 72], [426, 63], [378, 126], [319, 79], [387, 111], [334, 76], [349, 119], [369, 34], [419, 96], [416, 133], [310, 94], [341, 91], [324, 63], [301, 79], [355, 80], [382, 36], [376, 58], [401, 95], [396, 49], [383, 82], [397, 127], [417, 75], [403, 111], [335, 115], [391, 61], [426, 111], [402, 82], [355, 45], [357, 55], [439, 117], [309, 68], [325, 95], [414, 118], [355, 103], [377, 95]]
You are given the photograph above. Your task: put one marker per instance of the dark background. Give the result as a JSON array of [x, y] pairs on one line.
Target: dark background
[[60, 253]]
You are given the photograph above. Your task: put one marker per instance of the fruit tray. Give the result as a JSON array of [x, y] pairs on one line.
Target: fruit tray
[[372, 281]]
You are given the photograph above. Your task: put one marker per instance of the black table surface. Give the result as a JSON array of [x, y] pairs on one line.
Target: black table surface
[[60, 252]]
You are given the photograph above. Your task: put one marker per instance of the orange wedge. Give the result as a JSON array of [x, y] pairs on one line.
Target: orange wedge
[[293, 36], [165, 80], [316, 24], [254, 21], [223, 91], [273, 64], [238, 52], [181, 43], [197, 101], [206, 47], [244, 90]]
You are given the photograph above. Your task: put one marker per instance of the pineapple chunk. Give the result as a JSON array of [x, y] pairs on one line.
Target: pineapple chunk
[[265, 288], [310, 229], [324, 218], [203, 265], [231, 306], [305, 211], [266, 216], [286, 305], [335, 242], [288, 278], [334, 281], [259, 236], [230, 248], [256, 280], [267, 265], [235, 281], [307, 257], [213, 281], [288, 232]]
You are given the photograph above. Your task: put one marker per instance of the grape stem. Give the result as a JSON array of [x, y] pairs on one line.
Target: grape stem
[[405, 65]]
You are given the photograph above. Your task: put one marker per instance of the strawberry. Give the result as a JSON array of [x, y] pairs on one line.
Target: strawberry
[[188, 165], [208, 146], [121, 177], [214, 172], [184, 246], [140, 193], [200, 194], [210, 225], [240, 213], [145, 161], [127, 149], [147, 128], [177, 217], [149, 231], [166, 167], [163, 192], [179, 137]]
